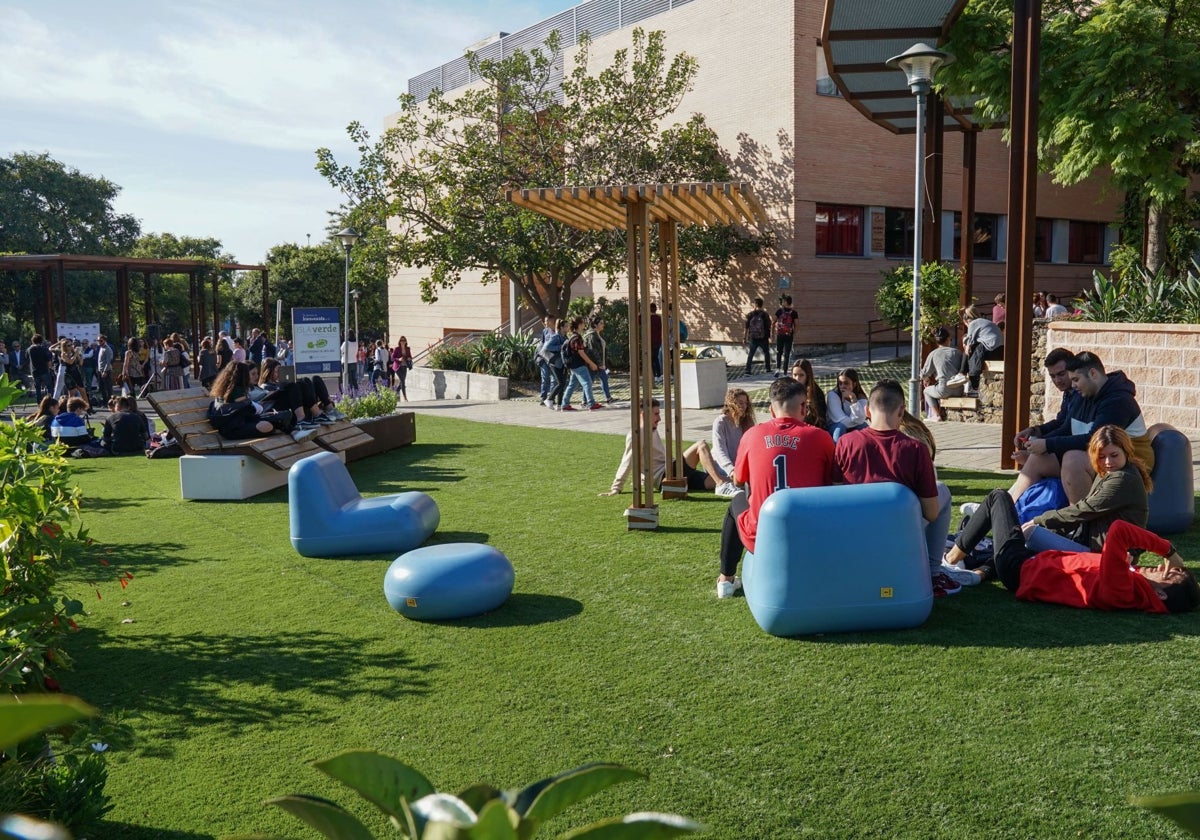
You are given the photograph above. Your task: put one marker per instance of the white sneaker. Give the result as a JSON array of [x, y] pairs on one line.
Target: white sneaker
[[933, 419], [727, 588], [961, 576], [968, 509], [958, 379], [301, 434], [726, 489]]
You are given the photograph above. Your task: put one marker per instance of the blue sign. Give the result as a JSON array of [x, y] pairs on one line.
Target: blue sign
[[316, 341]]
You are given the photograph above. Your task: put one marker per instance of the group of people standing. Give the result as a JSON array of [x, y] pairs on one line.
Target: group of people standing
[[568, 356], [377, 363]]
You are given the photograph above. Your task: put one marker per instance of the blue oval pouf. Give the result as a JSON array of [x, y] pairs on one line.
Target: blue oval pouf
[[454, 580]]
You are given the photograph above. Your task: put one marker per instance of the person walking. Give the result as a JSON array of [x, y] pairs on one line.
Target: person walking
[[758, 330], [104, 363], [402, 362], [785, 325]]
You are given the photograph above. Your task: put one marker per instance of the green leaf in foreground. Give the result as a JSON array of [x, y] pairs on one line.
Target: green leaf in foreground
[[380, 779], [25, 716], [1182, 808], [324, 816], [549, 797], [642, 826]]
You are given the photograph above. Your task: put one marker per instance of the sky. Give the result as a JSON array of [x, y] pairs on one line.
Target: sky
[[207, 113]]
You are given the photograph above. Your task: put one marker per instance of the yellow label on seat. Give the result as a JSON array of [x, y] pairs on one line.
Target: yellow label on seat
[[885, 592]]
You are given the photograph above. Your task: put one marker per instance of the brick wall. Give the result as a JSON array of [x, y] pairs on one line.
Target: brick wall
[[1163, 360]]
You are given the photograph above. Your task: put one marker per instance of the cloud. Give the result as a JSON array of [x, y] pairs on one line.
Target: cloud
[[285, 76]]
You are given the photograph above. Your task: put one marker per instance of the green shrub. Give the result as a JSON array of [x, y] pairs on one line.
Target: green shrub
[[481, 812], [492, 354], [1132, 295], [450, 357], [940, 285], [375, 403]]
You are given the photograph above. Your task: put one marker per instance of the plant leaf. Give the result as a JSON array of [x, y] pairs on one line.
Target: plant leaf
[[1182, 808], [380, 779], [25, 716], [549, 797], [327, 817], [640, 826], [477, 796], [495, 823]]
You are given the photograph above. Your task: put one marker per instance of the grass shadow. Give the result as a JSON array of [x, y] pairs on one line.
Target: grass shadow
[[229, 682], [523, 610], [125, 831]]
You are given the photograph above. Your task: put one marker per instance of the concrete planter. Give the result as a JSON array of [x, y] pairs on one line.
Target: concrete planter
[[433, 384], [388, 432], [702, 382]]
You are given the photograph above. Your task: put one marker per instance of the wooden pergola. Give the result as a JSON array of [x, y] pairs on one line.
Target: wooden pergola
[[53, 268], [634, 208]]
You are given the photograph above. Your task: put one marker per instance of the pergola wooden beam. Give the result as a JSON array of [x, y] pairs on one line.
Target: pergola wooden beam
[[633, 208]]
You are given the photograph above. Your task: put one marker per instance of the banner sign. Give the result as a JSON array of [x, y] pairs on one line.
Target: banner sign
[[78, 332], [315, 341]]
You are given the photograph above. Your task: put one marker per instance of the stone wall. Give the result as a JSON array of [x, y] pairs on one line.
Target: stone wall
[[1163, 360], [991, 388]]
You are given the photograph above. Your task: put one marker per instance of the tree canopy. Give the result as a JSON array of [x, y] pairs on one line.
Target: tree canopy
[[1120, 91], [439, 173]]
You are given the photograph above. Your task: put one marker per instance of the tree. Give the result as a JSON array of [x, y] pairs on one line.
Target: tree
[[169, 294], [1120, 88], [441, 171], [47, 207]]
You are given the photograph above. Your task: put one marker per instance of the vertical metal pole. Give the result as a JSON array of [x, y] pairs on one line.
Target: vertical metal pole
[[635, 351], [346, 326], [914, 382]]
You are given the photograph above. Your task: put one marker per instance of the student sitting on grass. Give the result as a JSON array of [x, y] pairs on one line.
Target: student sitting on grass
[[46, 411], [1104, 581], [735, 419], [70, 427], [125, 430], [698, 453]]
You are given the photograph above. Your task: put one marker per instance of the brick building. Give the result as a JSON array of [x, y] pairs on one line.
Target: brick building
[[837, 187]]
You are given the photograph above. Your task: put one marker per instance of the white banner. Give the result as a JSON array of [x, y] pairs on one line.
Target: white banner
[[78, 332]]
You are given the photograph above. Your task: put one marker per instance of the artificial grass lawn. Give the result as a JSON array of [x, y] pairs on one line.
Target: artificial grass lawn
[[245, 661]]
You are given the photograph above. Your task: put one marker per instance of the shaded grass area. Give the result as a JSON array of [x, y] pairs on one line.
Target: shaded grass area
[[244, 661]]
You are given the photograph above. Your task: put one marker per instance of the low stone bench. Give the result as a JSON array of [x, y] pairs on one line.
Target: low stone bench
[[988, 407]]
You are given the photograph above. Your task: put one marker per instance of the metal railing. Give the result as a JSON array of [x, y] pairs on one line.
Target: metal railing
[[453, 339], [873, 331]]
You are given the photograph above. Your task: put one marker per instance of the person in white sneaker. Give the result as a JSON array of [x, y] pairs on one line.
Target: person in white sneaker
[[735, 418], [779, 454], [942, 363], [983, 342], [699, 478]]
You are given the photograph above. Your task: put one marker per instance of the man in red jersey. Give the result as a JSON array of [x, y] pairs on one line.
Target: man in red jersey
[[1106, 581], [782, 453]]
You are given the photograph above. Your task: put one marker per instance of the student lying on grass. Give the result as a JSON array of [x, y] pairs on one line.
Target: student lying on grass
[[1105, 581]]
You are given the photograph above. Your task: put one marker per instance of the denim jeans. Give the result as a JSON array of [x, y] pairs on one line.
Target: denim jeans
[[548, 379], [757, 344], [602, 374], [937, 530], [583, 376]]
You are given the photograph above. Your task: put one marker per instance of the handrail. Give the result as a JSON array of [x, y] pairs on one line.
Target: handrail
[[871, 332], [463, 336]]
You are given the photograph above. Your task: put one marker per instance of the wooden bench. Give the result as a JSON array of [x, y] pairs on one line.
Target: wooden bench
[[985, 408], [215, 468]]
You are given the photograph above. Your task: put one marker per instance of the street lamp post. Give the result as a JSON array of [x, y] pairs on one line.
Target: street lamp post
[[356, 294], [919, 63], [348, 236]]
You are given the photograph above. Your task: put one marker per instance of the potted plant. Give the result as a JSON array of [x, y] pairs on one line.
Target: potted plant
[[374, 412]]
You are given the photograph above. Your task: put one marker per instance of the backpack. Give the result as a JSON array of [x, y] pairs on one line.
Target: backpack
[[757, 324], [784, 319]]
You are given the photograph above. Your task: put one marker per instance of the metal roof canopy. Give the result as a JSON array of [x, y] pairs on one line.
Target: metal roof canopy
[[858, 36], [634, 208]]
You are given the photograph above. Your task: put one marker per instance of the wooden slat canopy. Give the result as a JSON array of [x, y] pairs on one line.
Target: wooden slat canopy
[[604, 207]]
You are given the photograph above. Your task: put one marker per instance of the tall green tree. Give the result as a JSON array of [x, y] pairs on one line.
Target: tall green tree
[[1120, 90], [439, 173], [168, 293]]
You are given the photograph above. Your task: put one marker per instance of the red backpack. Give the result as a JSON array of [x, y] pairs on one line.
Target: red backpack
[[784, 319]]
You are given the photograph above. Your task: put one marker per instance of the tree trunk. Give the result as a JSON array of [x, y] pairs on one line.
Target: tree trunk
[[1156, 237]]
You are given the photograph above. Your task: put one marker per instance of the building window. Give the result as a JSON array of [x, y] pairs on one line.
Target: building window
[[1086, 243], [839, 230], [1043, 240], [825, 85], [987, 231], [898, 232]]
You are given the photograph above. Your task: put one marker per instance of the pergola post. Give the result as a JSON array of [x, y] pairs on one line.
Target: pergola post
[[1022, 214], [50, 323], [643, 514], [967, 218], [123, 306], [61, 271], [674, 484], [935, 132]]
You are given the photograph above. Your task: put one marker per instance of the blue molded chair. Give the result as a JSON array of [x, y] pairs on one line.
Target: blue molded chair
[[329, 518], [455, 580], [1173, 499], [838, 559]]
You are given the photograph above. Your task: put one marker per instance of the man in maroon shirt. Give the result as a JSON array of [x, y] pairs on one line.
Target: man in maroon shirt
[[782, 453], [881, 452], [1106, 581]]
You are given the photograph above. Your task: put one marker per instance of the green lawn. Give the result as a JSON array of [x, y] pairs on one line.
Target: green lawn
[[245, 661]]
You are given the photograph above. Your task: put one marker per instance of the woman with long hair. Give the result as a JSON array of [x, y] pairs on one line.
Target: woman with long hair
[[847, 405], [236, 416], [172, 366], [72, 362], [402, 359], [1121, 490], [44, 415], [815, 413], [736, 417]]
